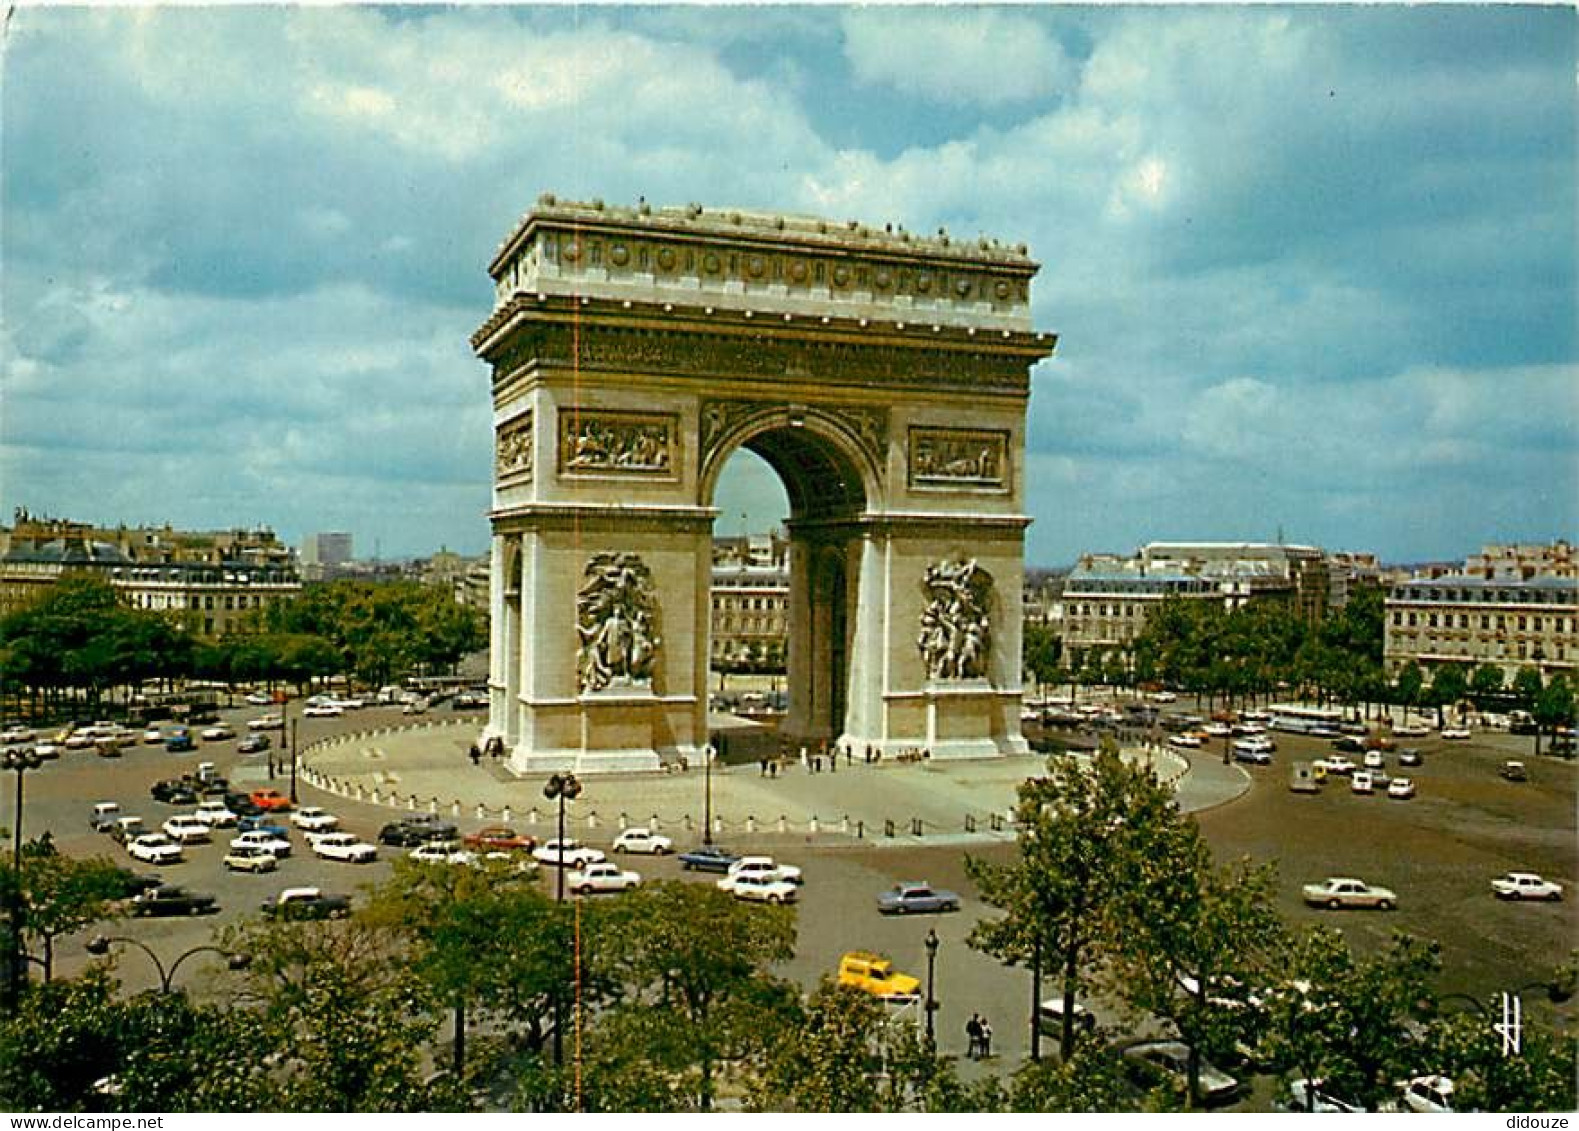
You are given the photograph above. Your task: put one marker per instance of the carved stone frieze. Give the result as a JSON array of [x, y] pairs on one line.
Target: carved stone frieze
[[621, 443], [956, 624], [513, 449], [720, 417], [616, 623], [950, 457]]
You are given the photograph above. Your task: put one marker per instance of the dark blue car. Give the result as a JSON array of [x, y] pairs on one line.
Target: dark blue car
[[708, 858]]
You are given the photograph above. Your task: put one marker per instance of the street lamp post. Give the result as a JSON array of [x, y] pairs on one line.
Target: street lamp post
[[293, 760], [561, 788], [707, 794], [931, 943], [18, 762], [100, 945]]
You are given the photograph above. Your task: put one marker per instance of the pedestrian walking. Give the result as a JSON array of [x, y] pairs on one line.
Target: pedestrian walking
[[985, 1039], [764, 765], [476, 755], [973, 1036]]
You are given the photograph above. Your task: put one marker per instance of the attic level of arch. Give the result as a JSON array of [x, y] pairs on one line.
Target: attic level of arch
[[543, 332]]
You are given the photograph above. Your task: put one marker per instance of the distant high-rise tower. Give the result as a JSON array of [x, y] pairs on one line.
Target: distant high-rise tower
[[322, 554]]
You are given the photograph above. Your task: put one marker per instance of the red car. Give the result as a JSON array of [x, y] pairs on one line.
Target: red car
[[270, 800], [500, 838]]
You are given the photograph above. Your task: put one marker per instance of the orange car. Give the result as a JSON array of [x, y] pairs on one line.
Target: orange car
[[270, 800]]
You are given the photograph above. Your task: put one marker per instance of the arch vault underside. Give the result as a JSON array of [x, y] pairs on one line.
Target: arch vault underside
[[884, 378]]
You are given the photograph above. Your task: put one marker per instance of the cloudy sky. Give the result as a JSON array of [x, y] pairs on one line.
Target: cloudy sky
[[1313, 269]]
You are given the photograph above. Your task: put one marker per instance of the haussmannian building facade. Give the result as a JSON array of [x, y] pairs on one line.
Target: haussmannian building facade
[[751, 603], [1511, 606]]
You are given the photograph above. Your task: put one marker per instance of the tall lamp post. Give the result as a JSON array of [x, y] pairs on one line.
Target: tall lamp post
[[18, 762], [293, 760], [561, 788], [100, 945], [931, 944], [707, 795]]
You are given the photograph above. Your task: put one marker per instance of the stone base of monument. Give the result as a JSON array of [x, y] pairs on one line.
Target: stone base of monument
[[620, 733], [969, 718]]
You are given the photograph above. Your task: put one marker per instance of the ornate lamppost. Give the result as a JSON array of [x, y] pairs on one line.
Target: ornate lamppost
[[707, 795], [18, 762], [561, 788], [100, 945], [931, 943]]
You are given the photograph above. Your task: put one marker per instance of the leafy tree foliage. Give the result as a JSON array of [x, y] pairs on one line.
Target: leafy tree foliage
[[1540, 1077], [62, 894]]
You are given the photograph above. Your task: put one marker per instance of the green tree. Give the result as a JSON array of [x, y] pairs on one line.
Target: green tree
[[1090, 1079], [1472, 1053], [1527, 684], [694, 993], [1080, 829], [1486, 683], [1041, 647], [1408, 684], [1449, 683], [63, 894], [1554, 707]]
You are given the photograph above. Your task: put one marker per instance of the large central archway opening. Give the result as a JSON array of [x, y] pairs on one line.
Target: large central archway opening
[[788, 566]]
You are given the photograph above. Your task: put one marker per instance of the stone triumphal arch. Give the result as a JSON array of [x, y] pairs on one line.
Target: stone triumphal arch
[[885, 378]]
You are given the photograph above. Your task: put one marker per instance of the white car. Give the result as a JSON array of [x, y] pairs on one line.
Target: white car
[[1218, 730], [760, 888], [1342, 891], [153, 736], [267, 722], [267, 841], [568, 853], [1253, 749], [1361, 782], [761, 866], [1374, 760], [311, 818], [1525, 885], [322, 711], [14, 734], [154, 848], [1411, 730], [218, 733], [643, 841], [1430, 1095], [442, 852], [187, 829], [1307, 1097], [1335, 764], [215, 814], [344, 847], [601, 876], [1455, 732], [1401, 789], [1185, 740], [259, 698]]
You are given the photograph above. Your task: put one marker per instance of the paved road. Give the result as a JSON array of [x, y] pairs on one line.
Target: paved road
[[1439, 850]]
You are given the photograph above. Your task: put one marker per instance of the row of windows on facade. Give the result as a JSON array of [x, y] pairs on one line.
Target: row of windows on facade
[[1511, 595], [1433, 647], [1445, 620], [232, 601], [750, 604]]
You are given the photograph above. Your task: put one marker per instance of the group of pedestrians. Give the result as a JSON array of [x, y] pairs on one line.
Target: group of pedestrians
[[978, 1034]]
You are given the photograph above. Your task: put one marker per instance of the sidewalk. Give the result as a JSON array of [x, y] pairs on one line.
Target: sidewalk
[[427, 768]]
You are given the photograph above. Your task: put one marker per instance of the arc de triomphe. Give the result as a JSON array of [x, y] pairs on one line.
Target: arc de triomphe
[[883, 376]]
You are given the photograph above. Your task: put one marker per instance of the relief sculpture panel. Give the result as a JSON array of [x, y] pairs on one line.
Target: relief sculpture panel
[[956, 628], [946, 457], [616, 617], [616, 443], [513, 449]]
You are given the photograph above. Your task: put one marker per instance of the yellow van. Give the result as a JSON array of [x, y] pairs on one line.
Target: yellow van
[[874, 974]]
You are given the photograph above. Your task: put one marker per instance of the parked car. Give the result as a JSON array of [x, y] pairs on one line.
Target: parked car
[[419, 828], [764, 865], [253, 743], [154, 848], [174, 791], [259, 698], [1361, 782], [1309, 1096], [264, 823], [251, 858], [568, 853], [600, 876], [499, 838], [1401, 789], [344, 847], [1525, 885], [761, 889], [127, 829], [442, 852], [215, 814], [708, 858], [16, 733], [1341, 891], [1374, 760], [643, 841], [187, 829], [269, 840], [1431, 1095], [1455, 732], [307, 903], [104, 816], [311, 818], [267, 722], [916, 898], [270, 800], [1348, 744], [1409, 756], [874, 974], [1335, 764], [220, 733], [1411, 730], [1154, 1061], [1050, 1018], [1514, 771], [166, 899]]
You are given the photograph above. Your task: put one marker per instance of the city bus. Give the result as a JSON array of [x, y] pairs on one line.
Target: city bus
[[1296, 718]]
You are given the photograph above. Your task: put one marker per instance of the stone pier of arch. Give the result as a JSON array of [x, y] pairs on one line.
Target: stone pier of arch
[[885, 378]]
